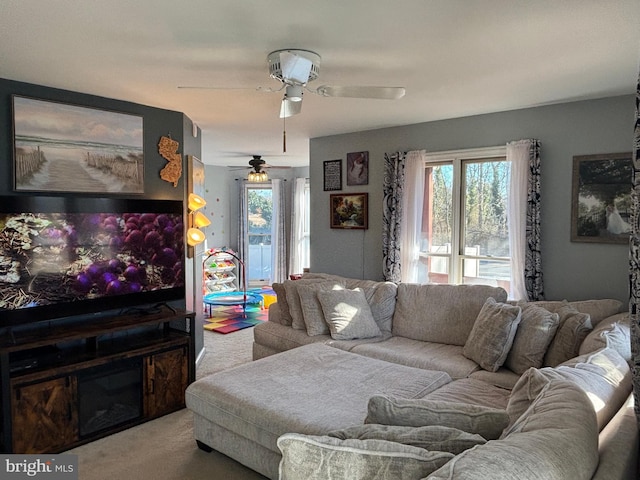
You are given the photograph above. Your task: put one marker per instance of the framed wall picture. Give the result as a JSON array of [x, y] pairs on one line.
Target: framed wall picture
[[601, 198], [349, 211], [332, 170], [358, 168], [58, 147]]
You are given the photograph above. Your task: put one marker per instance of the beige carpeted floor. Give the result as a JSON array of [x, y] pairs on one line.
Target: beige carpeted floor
[[164, 449]]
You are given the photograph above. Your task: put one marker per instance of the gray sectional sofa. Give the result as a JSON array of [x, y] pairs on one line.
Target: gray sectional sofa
[[374, 380]]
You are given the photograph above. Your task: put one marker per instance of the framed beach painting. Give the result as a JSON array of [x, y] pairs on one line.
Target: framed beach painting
[[601, 198], [59, 147], [349, 211]]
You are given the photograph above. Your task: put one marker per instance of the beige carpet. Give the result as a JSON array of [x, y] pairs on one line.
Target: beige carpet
[[164, 449]]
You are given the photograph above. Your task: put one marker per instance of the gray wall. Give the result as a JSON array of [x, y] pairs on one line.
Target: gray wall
[[571, 270]]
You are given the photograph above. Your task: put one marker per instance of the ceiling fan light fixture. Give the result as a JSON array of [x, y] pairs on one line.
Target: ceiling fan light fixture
[[257, 177], [294, 93], [288, 108]]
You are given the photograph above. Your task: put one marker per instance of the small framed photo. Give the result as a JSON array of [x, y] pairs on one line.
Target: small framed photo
[[349, 211], [358, 168], [332, 175], [601, 198]]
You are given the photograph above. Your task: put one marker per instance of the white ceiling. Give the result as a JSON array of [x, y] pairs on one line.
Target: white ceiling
[[455, 58]]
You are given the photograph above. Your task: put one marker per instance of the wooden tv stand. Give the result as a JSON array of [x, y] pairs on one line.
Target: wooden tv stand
[[64, 385]]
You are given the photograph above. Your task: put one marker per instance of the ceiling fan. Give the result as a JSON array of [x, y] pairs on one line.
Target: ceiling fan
[[257, 167], [295, 68]]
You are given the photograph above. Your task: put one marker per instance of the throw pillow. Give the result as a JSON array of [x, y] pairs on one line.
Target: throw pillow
[[432, 437], [312, 313], [535, 332], [285, 315], [572, 330], [419, 412], [321, 457], [613, 332], [293, 299], [492, 334], [348, 314], [381, 297]]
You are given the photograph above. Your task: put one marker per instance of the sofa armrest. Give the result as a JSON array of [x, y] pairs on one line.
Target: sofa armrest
[[618, 446], [274, 313]]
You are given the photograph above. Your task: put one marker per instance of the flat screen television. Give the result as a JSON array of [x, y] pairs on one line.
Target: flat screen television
[[68, 256]]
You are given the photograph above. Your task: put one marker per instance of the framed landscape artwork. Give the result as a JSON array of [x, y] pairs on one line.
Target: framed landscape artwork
[[58, 147], [601, 198], [349, 211]]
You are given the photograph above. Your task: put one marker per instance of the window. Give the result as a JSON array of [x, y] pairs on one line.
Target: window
[[299, 258], [306, 228], [465, 234], [259, 228]]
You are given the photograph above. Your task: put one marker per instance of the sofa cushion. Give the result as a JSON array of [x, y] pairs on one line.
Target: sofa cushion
[[556, 438], [348, 314], [419, 412], [313, 457], [613, 332], [502, 378], [572, 330], [471, 391], [425, 355], [492, 335], [312, 314], [603, 375], [280, 337], [440, 313], [536, 330], [597, 309], [432, 437]]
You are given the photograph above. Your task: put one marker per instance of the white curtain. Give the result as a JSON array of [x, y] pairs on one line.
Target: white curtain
[[243, 241], [278, 236], [297, 253], [412, 202], [518, 154]]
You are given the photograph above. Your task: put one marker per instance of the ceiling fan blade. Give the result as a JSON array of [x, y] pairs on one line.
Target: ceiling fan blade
[[289, 108], [266, 165], [382, 93], [295, 68], [205, 87]]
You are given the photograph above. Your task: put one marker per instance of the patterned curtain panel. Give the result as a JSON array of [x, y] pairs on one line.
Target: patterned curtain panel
[[533, 259], [634, 259], [394, 165]]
